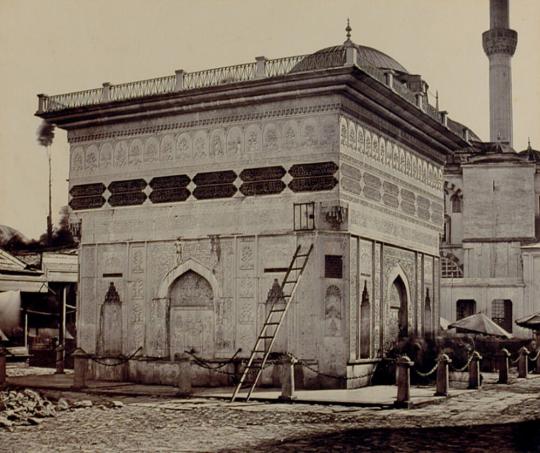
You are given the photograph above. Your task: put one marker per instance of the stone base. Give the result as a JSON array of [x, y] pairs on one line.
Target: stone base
[[146, 370], [403, 404], [286, 399], [362, 371]]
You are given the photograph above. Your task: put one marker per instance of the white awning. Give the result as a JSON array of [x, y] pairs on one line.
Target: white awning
[[10, 309]]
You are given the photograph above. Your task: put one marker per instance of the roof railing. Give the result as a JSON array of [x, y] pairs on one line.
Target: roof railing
[[260, 69]]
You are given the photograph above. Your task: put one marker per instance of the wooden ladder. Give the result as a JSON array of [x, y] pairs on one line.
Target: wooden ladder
[[274, 319]]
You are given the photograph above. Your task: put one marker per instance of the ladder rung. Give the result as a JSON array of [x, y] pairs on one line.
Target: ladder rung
[[277, 311], [289, 281], [265, 337], [300, 256], [295, 268], [271, 323]]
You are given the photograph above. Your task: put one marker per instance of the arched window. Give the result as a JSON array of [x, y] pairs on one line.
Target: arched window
[[447, 233], [457, 202], [398, 299], [464, 308], [365, 324], [501, 313], [450, 266]]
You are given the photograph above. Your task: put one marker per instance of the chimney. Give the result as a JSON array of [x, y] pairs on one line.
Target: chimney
[[499, 45]]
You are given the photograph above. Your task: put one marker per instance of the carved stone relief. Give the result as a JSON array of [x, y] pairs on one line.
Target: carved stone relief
[[151, 150], [333, 312], [167, 148], [106, 155], [135, 153]]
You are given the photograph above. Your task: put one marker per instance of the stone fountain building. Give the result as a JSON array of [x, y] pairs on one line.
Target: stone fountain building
[[194, 190]]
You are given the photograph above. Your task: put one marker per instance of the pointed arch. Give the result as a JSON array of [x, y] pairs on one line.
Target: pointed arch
[[178, 271], [398, 284]]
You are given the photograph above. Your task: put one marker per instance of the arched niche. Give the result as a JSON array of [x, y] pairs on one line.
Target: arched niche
[[189, 265], [192, 290], [398, 301]]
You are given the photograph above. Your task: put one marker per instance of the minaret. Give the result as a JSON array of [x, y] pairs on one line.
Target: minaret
[[500, 44]]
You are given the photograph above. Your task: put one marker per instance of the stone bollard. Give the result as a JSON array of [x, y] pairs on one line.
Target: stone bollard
[[287, 378], [474, 371], [59, 360], [504, 358], [184, 374], [404, 365], [442, 375], [3, 354], [523, 363], [80, 369]]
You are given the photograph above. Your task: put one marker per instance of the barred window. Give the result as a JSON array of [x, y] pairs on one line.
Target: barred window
[[450, 267], [501, 313]]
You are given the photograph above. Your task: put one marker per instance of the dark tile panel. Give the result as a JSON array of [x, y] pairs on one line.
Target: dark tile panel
[[215, 191], [262, 188], [215, 177], [87, 190], [93, 202], [130, 185], [313, 184], [262, 174], [316, 169], [169, 195], [170, 182], [127, 199]]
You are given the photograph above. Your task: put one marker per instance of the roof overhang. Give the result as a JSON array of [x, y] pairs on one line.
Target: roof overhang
[[350, 81]]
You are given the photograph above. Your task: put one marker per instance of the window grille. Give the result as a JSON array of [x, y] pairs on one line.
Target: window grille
[[304, 216], [450, 267], [501, 313]]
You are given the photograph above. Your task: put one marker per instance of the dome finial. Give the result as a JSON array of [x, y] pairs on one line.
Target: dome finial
[[348, 29], [529, 141]]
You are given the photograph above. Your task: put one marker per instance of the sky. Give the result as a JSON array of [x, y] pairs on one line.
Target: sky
[[59, 46]]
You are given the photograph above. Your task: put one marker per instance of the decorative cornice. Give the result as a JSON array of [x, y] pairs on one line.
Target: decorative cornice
[[231, 119]]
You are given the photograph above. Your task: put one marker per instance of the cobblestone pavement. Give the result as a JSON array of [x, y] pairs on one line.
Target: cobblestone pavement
[[146, 424]]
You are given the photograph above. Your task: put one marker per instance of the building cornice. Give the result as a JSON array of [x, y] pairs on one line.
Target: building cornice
[[352, 82]]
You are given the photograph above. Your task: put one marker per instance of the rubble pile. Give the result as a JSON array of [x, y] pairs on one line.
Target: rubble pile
[[28, 407], [24, 408]]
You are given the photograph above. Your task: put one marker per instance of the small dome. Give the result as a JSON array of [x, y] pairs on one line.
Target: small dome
[[335, 56]]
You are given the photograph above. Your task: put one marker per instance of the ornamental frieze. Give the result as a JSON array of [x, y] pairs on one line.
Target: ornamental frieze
[[373, 145], [195, 145]]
